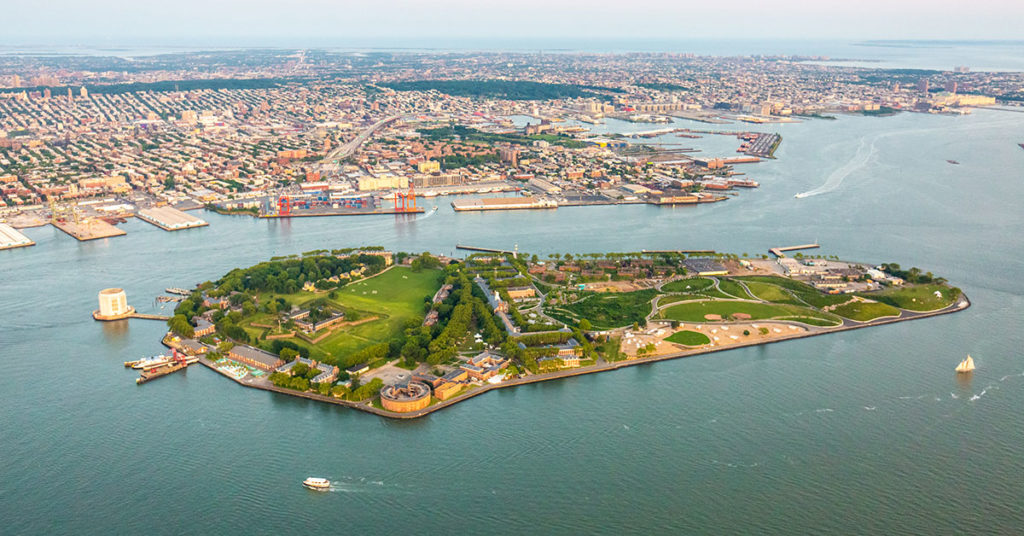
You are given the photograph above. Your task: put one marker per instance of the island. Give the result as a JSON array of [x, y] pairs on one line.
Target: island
[[402, 335]]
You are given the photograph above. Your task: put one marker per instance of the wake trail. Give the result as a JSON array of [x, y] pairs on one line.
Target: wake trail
[[860, 159]]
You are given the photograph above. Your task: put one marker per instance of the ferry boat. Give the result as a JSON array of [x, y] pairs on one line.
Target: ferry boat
[[151, 362], [967, 365], [317, 484]]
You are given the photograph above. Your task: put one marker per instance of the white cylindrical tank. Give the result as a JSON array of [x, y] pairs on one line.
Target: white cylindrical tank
[[113, 302]]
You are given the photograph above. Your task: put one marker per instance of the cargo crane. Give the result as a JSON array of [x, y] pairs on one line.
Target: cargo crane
[[406, 202]]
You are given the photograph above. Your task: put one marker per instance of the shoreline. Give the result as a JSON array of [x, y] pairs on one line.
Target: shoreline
[[367, 406]]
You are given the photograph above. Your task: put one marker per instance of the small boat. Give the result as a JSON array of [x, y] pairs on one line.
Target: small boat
[[801, 195], [953, 162], [967, 365], [1021, 145], [317, 484]]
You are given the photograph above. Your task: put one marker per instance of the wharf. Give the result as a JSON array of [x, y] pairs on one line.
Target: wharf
[[170, 219], [12, 238], [92, 229], [152, 374], [780, 251], [503, 203], [485, 250], [132, 313], [315, 212]]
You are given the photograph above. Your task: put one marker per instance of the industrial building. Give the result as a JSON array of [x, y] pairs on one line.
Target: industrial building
[[170, 219], [12, 238]]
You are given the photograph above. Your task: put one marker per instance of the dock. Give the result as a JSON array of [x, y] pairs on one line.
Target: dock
[[486, 250], [682, 251], [92, 229], [316, 212], [11, 238], [780, 251], [170, 218], [132, 313], [163, 370], [503, 203]]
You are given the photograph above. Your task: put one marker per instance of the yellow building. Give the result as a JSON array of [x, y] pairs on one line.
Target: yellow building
[[384, 182], [430, 166]]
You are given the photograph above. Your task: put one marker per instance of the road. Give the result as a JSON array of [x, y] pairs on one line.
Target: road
[[345, 150]]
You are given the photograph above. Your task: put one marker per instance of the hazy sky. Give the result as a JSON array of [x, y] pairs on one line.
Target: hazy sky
[[376, 22]]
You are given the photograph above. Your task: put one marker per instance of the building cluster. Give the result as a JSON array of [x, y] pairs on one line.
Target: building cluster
[[241, 130]]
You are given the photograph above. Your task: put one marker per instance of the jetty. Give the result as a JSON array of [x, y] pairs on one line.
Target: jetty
[[12, 238], [486, 250], [93, 229], [170, 219], [780, 251]]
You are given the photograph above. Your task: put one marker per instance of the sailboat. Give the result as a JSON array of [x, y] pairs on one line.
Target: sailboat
[[967, 365]]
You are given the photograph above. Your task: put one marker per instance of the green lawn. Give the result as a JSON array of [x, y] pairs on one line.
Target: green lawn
[[608, 310], [695, 311], [688, 338], [805, 292], [915, 297], [689, 285], [734, 289], [395, 296], [772, 293], [863, 312]]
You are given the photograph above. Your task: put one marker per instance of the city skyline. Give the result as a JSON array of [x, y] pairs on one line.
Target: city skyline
[[450, 22]]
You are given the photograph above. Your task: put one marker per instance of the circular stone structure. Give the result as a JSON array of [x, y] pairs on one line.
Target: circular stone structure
[[113, 305], [405, 397]]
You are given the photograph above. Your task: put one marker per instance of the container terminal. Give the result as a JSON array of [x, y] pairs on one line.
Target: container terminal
[[323, 203], [170, 219], [12, 238]]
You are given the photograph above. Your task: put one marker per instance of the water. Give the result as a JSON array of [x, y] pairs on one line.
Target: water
[[865, 431]]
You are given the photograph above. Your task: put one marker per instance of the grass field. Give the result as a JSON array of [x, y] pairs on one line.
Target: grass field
[[915, 297], [607, 311], [688, 338], [862, 312], [689, 285], [805, 292], [395, 296], [695, 311], [733, 289], [772, 293]]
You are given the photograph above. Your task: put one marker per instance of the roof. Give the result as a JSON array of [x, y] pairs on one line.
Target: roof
[[255, 354]]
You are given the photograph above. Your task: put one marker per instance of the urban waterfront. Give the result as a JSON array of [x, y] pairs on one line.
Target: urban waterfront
[[851, 432]]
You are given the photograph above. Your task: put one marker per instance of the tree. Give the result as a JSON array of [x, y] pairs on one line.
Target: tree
[[288, 354], [585, 325], [180, 325]]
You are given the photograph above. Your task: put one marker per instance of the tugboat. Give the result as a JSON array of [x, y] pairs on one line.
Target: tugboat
[[317, 484], [967, 365]]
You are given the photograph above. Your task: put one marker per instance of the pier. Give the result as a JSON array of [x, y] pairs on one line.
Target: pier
[[85, 230], [779, 251], [486, 250], [170, 219], [12, 238]]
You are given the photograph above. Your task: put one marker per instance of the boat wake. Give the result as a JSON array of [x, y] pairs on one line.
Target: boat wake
[[863, 155]]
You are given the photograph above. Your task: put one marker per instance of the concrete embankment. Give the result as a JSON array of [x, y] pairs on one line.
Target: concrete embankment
[[535, 378]]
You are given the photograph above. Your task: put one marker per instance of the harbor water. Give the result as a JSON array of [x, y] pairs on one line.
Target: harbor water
[[868, 431]]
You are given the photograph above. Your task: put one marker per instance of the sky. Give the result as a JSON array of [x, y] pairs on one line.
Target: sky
[[381, 23]]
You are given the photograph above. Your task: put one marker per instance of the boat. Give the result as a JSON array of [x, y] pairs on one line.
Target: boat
[[150, 362], [953, 162], [430, 194], [801, 195], [967, 365], [1021, 145], [317, 484]]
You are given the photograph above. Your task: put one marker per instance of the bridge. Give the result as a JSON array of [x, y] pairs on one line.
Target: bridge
[[345, 150]]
